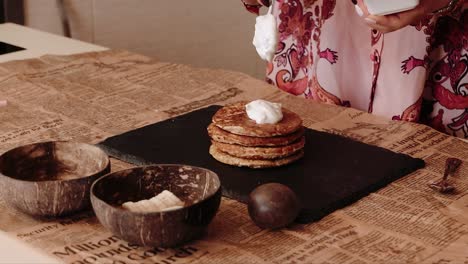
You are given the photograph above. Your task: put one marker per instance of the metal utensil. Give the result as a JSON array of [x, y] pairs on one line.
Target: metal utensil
[[443, 186]]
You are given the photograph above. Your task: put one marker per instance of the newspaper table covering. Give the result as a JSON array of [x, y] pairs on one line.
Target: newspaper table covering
[[92, 96]]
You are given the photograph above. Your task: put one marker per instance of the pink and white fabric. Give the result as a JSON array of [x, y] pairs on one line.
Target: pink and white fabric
[[419, 74]]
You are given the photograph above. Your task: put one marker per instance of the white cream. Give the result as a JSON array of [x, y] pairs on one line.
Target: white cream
[[266, 36], [264, 112]]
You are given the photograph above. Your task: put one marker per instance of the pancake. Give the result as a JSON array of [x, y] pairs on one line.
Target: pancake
[[251, 163], [233, 118], [222, 136], [260, 152]]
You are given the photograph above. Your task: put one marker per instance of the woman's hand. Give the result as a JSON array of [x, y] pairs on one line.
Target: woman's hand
[[257, 2], [253, 6], [393, 22]]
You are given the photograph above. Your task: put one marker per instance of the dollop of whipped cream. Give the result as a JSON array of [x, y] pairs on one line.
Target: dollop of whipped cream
[[266, 36], [264, 112]]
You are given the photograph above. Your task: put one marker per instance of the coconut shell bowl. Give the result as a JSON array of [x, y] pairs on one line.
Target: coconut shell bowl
[[198, 188], [51, 178]]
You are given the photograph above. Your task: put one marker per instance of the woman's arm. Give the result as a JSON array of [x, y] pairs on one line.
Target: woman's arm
[[400, 20]]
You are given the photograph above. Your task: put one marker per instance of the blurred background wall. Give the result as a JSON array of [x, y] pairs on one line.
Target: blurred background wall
[[205, 33]]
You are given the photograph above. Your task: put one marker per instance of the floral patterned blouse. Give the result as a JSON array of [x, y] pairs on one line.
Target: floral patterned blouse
[[419, 74]]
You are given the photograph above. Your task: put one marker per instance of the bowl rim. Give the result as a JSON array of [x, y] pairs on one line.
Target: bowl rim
[[105, 167], [120, 209]]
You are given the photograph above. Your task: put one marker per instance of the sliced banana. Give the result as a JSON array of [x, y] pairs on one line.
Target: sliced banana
[[164, 201]]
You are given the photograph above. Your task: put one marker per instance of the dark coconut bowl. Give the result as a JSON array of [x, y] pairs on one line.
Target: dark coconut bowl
[[51, 178], [198, 188]]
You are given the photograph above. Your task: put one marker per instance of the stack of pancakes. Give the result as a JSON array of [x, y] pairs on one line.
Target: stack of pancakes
[[237, 140]]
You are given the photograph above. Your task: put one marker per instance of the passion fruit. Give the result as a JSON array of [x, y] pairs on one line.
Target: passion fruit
[[273, 205]]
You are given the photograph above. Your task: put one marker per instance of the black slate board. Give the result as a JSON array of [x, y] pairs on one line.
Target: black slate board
[[334, 172]]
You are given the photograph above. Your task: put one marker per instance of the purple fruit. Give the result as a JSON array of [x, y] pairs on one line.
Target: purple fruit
[[273, 205]]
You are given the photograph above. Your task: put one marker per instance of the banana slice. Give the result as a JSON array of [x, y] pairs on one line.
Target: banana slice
[[164, 201]]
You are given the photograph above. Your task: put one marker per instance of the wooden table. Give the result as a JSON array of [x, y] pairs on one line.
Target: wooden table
[[36, 43]]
